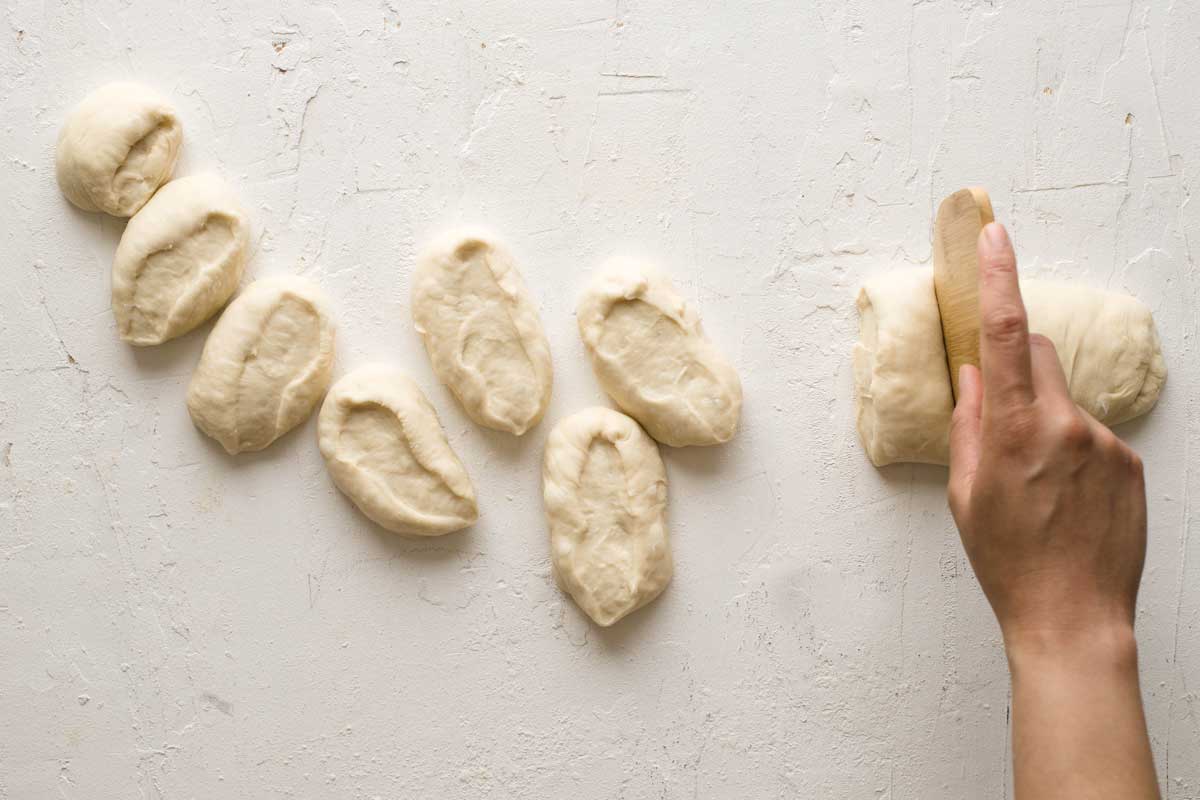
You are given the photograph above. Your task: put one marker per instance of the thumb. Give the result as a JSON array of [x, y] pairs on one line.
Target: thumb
[[965, 433]]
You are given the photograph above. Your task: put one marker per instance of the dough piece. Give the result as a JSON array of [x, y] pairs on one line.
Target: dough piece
[[482, 331], [116, 148], [384, 447], [901, 377], [265, 365], [1107, 344], [605, 492], [179, 260], [651, 356]]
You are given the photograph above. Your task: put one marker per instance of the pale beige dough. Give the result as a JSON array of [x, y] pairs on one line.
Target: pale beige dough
[[116, 148], [605, 493], [265, 365], [179, 260], [1107, 343], [650, 354], [385, 449], [482, 331]]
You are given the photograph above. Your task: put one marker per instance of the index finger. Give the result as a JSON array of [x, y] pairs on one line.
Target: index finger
[[1004, 328]]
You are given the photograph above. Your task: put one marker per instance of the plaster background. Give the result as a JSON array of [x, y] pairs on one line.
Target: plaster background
[[175, 623]]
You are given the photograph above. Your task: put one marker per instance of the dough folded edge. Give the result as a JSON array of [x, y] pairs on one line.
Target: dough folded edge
[[399, 509], [1152, 383]]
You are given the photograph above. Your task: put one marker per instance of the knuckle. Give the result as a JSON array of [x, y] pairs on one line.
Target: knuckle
[[1127, 457], [999, 265], [1073, 432], [1107, 441], [1005, 324], [1039, 341]]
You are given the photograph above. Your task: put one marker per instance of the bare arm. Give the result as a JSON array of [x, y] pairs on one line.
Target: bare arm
[[1051, 507]]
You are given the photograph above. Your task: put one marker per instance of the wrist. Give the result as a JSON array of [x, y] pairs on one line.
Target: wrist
[[1110, 647]]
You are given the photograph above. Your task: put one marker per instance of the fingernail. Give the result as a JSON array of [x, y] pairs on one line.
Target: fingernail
[[996, 235]]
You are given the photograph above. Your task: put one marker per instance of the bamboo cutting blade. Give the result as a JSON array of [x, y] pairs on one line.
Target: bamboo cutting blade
[[960, 218]]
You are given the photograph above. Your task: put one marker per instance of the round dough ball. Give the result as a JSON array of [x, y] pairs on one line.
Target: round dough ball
[[116, 148]]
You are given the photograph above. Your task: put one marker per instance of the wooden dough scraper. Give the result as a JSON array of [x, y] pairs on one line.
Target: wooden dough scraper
[[960, 218]]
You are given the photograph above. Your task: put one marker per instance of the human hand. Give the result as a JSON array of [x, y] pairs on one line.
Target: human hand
[[1051, 505]]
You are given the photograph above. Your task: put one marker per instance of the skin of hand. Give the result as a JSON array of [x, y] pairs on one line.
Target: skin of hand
[[1051, 507]]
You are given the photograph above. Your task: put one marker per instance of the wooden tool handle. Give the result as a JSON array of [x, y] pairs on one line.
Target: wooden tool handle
[[960, 218]]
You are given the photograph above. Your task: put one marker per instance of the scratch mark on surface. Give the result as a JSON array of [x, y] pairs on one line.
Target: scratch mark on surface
[[304, 121], [324, 237], [1183, 554], [386, 189], [482, 118], [1124, 46], [1066, 188], [1007, 740], [196, 93], [624, 92], [37, 271], [1162, 125], [908, 556], [635, 75], [577, 25]]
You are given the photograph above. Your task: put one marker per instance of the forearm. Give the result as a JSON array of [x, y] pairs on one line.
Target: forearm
[[1079, 730]]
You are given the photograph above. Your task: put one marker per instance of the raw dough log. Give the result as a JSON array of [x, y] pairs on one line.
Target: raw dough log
[[605, 492], [265, 365], [116, 148], [482, 331], [179, 260], [384, 447], [1107, 344], [651, 356]]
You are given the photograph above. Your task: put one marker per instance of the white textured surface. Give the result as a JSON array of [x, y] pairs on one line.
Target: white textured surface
[[177, 623]]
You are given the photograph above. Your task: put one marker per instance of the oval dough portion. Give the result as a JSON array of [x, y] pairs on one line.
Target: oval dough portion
[[265, 365], [901, 376], [651, 356], [116, 148], [605, 492], [1106, 342], [385, 449], [482, 331], [179, 260]]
